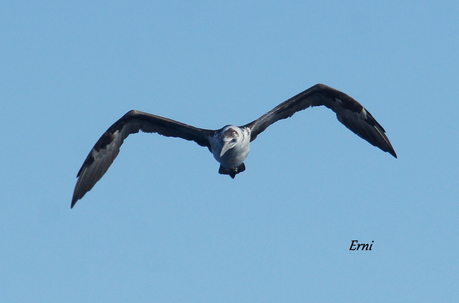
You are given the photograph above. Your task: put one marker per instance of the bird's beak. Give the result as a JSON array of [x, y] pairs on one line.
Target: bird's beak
[[227, 146]]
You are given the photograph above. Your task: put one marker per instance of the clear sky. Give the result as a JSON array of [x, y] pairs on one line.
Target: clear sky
[[162, 225]]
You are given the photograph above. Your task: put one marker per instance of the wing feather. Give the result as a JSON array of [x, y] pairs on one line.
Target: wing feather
[[348, 111], [107, 147]]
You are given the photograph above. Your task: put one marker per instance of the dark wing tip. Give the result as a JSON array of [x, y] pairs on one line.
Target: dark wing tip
[[76, 196], [392, 152], [81, 187], [384, 144]]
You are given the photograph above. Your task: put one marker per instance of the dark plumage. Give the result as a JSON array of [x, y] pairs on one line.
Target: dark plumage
[[230, 145]]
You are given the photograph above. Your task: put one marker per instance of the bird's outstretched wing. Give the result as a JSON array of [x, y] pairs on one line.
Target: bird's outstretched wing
[[107, 147], [348, 111]]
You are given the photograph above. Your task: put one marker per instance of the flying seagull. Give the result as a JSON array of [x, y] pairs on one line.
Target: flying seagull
[[230, 145]]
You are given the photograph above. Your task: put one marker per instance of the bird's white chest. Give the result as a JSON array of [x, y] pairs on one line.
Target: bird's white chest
[[233, 157]]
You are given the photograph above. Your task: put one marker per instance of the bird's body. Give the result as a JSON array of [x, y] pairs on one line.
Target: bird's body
[[229, 145]]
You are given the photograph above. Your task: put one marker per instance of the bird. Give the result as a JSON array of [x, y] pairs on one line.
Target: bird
[[230, 144]]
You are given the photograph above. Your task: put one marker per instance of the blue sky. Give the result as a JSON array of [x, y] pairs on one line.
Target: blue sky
[[162, 225]]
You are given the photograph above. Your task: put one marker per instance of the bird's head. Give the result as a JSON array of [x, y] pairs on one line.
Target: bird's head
[[231, 135]]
